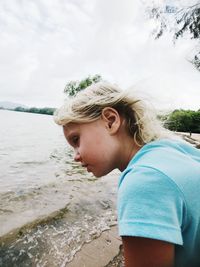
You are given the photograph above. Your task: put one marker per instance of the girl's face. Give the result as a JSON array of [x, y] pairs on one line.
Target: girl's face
[[95, 148]]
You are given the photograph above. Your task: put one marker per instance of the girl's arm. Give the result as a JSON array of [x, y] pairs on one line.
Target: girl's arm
[[146, 252]]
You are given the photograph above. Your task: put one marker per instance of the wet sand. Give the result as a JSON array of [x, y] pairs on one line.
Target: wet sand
[[104, 251], [57, 238]]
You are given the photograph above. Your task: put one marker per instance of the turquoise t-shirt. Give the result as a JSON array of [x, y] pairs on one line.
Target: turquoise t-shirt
[[159, 197]]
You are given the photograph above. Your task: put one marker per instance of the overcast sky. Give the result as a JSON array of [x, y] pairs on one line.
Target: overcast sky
[[47, 43]]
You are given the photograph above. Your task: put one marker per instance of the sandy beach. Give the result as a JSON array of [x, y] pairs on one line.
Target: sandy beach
[[105, 251]]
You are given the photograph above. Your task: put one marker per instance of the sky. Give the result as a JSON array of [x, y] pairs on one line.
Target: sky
[[47, 43]]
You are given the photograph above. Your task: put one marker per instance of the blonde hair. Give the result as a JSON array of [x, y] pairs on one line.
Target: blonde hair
[[88, 104]]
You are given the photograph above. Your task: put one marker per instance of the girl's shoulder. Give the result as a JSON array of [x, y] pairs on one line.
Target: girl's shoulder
[[165, 149]]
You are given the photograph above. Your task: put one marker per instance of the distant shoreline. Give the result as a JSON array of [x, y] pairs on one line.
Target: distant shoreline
[[192, 138], [45, 111]]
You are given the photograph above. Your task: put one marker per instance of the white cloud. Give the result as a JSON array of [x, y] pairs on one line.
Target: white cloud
[[46, 43]]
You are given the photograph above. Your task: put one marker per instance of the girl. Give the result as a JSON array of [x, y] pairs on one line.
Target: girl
[[159, 188]]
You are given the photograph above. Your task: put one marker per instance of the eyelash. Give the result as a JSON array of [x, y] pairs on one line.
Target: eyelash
[[75, 140]]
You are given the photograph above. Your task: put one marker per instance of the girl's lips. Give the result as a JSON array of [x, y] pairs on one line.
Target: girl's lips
[[84, 165], [87, 166]]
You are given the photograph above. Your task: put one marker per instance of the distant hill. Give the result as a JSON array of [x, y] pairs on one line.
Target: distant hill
[[22, 108], [10, 105]]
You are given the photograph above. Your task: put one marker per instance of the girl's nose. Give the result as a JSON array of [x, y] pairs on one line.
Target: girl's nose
[[77, 156]]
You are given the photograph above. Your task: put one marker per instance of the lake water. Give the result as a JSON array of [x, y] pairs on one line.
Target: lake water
[[49, 205]]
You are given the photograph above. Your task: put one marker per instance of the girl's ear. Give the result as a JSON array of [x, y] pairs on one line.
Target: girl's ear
[[112, 119]]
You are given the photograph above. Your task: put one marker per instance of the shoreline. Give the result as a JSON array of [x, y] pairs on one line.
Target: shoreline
[[104, 251], [193, 138]]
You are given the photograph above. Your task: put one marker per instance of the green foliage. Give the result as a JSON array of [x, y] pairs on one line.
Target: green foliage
[[156, 13], [196, 61], [188, 19], [162, 118], [47, 111], [73, 87], [183, 121], [19, 109], [185, 20]]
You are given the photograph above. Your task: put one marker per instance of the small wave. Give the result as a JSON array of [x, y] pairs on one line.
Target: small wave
[[53, 242], [18, 195], [32, 162], [12, 235], [55, 239], [2, 211]]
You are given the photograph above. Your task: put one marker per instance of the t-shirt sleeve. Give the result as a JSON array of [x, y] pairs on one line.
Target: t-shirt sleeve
[[150, 205]]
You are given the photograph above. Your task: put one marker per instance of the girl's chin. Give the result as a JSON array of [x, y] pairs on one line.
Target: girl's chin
[[95, 172], [99, 173]]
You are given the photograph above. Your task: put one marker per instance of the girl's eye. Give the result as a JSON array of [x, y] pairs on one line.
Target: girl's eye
[[75, 140]]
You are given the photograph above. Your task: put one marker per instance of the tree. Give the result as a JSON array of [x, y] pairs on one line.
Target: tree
[[46, 110], [188, 19], [183, 20], [183, 121], [19, 109], [73, 87]]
